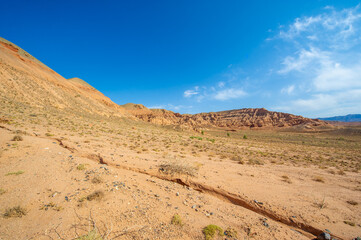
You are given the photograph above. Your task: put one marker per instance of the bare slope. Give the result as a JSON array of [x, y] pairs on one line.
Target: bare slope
[[27, 82]]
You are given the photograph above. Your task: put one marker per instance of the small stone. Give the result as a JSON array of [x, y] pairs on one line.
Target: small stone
[[177, 194], [324, 236], [194, 206]]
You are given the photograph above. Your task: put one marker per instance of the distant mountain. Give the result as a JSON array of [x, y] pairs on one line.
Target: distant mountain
[[347, 118]]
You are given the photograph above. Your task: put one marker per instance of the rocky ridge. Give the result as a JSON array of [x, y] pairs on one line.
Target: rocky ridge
[[233, 119]]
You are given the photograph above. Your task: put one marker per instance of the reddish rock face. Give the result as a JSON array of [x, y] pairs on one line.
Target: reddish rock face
[[240, 118]]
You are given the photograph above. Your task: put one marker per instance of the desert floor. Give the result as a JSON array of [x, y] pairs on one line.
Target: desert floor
[[71, 177]]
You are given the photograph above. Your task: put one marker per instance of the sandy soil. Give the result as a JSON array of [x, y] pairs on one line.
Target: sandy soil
[[139, 199]]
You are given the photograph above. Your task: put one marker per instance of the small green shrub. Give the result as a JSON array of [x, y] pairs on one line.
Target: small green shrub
[[176, 220], [211, 230], [245, 136], [81, 167]]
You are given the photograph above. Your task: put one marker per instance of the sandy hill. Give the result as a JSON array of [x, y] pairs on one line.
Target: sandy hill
[[26, 82]]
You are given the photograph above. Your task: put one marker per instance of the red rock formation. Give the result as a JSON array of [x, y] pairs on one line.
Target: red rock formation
[[235, 119]]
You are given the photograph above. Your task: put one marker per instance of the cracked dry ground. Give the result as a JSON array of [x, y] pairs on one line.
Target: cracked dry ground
[[60, 172]]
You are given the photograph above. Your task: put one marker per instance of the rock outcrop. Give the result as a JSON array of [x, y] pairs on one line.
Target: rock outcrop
[[232, 119]]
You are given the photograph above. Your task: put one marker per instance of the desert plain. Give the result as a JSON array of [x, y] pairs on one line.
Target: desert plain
[[75, 165]]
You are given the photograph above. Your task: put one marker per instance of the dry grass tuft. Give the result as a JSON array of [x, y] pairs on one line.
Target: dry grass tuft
[[178, 168]]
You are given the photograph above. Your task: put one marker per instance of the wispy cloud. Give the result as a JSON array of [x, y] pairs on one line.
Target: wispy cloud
[[229, 93], [326, 58], [189, 93], [289, 90], [337, 28]]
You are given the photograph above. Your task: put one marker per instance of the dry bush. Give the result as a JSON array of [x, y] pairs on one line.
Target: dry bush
[[286, 179], [15, 212], [178, 168], [97, 195], [351, 202], [17, 138]]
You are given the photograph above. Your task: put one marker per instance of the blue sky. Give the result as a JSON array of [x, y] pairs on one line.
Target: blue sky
[[301, 57]]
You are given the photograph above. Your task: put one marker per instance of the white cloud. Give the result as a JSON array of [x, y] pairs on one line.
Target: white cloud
[[229, 93], [337, 28], [325, 63], [221, 84], [190, 93], [303, 59], [337, 78], [289, 90], [325, 105]]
